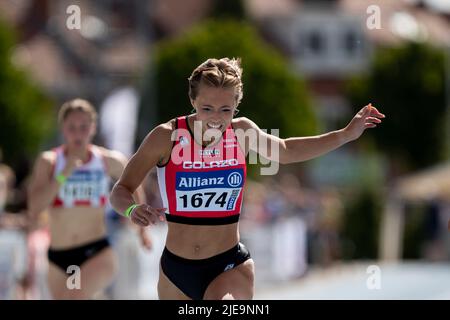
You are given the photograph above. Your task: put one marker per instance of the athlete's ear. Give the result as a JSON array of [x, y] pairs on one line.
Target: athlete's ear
[[194, 110]]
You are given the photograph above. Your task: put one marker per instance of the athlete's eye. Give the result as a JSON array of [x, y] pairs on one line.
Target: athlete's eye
[[226, 110], [206, 109]]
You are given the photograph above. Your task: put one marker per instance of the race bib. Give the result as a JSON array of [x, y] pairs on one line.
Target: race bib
[[82, 186]]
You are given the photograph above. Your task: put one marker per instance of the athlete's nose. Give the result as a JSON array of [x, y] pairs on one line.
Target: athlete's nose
[[216, 116]]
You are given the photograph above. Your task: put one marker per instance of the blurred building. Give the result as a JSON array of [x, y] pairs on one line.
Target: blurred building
[[326, 40], [429, 188]]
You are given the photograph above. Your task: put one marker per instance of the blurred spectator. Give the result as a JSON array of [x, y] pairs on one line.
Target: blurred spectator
[[7, 179], [290, 230], [13, 249], [38, 242], [254, 210], [329, 225], [435, 229]]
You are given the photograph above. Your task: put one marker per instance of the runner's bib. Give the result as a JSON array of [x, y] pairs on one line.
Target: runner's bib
[[86, 186], [202, 185]]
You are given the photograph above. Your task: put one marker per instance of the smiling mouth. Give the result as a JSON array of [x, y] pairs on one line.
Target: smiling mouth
[[214, 126]]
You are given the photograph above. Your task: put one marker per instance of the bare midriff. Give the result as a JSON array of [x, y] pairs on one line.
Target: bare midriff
[[200, 241], [72, 227]]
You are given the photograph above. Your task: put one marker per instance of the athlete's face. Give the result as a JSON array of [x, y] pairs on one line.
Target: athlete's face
[[78, 129], [215, 107]]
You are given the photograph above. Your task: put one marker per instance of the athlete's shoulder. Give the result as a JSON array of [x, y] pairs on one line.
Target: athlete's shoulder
[[48, 156], [167, 127], [162, 132], [46, 160], [160, 138], [111, 154], [114, 160]]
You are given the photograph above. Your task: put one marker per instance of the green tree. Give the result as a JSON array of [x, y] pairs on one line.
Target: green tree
[[25, 112], [274, 97], [407, 83]]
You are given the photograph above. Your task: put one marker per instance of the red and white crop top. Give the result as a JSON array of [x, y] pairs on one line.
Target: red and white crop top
[[202, 185], [88, 185]]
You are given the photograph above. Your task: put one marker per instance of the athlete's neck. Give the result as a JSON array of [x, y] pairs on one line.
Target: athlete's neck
[[84, 153]]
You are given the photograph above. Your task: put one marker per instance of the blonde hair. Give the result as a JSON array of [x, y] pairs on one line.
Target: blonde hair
[[219, 73], [76, 105]]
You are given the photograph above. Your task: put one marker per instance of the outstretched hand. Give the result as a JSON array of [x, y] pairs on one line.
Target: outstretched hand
[[144, 215], [367, 117]]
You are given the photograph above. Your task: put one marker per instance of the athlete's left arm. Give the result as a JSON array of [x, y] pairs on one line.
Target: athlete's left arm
[[299, 149], [116, 162]]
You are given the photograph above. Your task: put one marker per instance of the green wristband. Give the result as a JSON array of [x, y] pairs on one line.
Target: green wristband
[[61, 178], [127, 212]]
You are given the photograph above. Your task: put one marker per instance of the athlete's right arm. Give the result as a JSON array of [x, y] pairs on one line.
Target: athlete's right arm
[[43, 187], [155, 147]]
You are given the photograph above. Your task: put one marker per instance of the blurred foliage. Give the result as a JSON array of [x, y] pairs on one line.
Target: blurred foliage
[[25, 112], [228, 9], [274, 97], [361, 224], [406, 83]]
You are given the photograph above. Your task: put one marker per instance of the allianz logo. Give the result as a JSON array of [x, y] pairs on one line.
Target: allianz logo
[[234, 180], [198, 182]]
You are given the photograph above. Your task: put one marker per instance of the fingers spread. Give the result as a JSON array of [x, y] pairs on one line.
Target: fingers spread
[[153, 214], [160, 213], [373, 119], [374, 111], [139, 220]]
